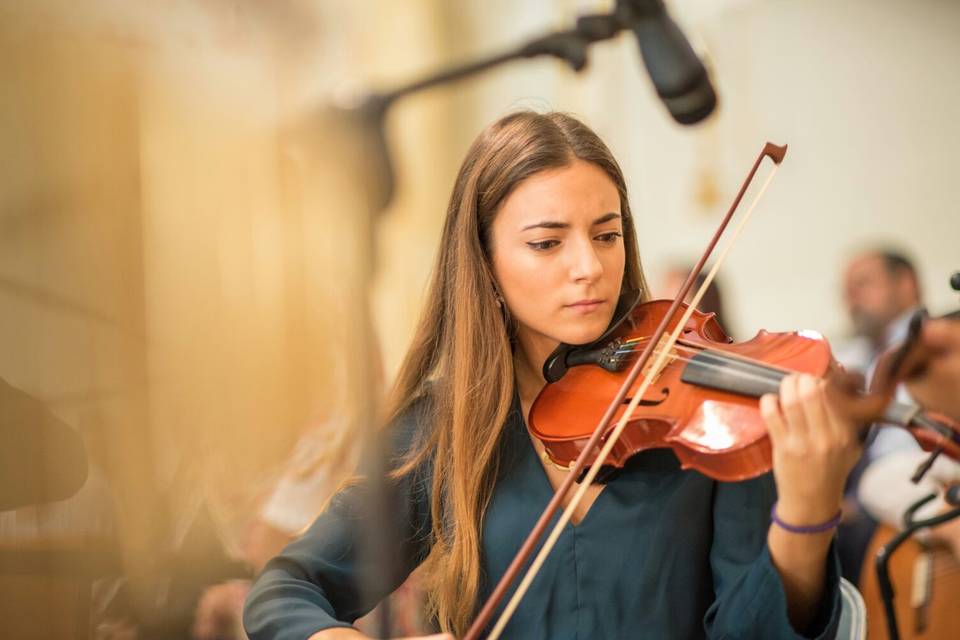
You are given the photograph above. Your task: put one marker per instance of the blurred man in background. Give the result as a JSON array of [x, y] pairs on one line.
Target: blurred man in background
[[880, 291]]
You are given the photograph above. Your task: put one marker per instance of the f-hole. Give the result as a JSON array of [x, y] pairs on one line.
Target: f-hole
[[650, 403]]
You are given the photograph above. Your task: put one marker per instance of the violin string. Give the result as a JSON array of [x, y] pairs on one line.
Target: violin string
[[712, 365], [719, 352], [721, 355], [614, 436], [775, 373]]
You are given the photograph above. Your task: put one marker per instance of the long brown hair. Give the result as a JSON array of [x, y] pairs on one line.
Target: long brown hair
[[462, 347]]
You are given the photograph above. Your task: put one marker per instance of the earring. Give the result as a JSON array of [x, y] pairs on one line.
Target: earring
[[499, 300]]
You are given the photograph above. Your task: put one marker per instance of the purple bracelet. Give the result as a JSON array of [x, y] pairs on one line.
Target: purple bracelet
[[813, 528]]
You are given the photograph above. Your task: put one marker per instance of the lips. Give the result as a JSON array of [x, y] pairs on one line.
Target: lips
[[586, 306]]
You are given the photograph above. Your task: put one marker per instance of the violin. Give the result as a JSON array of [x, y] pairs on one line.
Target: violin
[[703, 403], [666, 375]]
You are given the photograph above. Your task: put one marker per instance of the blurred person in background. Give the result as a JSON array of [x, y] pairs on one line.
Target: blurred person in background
[[881, 291], [885, 488], [928, 566]]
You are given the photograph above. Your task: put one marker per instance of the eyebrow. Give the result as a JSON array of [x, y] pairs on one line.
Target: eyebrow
[[552, 224]]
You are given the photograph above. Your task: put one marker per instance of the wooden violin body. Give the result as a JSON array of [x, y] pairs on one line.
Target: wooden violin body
[[703, 404]]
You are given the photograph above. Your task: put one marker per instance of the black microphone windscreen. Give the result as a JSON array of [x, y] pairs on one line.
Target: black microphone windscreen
[[677, 73]]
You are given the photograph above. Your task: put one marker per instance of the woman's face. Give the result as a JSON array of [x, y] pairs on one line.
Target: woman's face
[[558, 257]]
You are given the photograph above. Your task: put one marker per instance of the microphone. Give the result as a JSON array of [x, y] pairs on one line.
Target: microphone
[[41, 458], [677, 73]]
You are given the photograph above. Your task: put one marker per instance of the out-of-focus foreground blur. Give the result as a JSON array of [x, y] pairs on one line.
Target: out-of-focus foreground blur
[[182, 239]]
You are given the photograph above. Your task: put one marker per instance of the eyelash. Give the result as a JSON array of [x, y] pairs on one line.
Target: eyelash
[[545, 245]]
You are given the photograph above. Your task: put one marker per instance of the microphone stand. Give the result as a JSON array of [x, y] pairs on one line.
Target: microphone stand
[[370, 111], [882, 561]]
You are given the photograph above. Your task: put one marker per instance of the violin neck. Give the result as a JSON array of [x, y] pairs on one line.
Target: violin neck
[[716, 370]]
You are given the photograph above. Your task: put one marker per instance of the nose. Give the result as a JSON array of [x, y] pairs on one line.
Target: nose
[[585, 264]]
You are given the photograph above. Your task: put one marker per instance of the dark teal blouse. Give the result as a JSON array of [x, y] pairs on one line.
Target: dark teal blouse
[[662, 553]]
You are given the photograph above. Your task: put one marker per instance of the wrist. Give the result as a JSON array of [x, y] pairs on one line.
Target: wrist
[[804, 523], [806, 511]]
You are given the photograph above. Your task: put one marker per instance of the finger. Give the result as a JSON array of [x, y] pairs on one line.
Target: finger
[[795, 420], [770, 412], [942, 334], [846, 429], [810, 395]]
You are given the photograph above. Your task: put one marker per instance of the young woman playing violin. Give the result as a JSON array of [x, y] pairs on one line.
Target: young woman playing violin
[[539, 241]]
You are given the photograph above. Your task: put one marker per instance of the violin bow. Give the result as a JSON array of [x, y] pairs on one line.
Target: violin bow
[[776, 154]]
